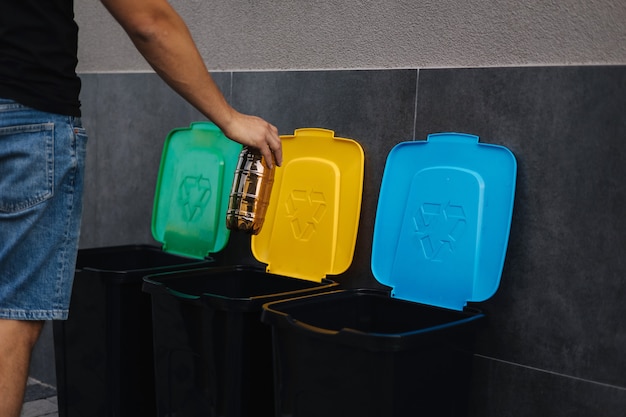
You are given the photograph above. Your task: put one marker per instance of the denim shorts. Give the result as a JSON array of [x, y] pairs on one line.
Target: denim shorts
[[42, 159]]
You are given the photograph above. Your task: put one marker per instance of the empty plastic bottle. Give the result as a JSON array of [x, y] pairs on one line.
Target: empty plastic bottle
[[250, 194]]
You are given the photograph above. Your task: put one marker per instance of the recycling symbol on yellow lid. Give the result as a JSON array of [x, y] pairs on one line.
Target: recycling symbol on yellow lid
[[305, 210]]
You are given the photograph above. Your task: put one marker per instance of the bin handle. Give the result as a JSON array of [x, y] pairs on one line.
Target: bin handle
[[310, 327], [347, 331]]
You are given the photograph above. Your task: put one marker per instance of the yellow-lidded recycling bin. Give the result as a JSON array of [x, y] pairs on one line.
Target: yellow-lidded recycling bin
[[212, 353]]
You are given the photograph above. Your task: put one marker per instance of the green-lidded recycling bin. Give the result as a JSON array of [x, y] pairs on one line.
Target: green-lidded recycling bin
[[104, 351], [440, 237], [213, 355]]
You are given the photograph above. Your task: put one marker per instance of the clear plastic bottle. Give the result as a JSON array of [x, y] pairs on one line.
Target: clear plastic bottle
[[250, 194]]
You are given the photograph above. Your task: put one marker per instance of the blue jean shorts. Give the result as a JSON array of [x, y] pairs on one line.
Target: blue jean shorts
[[42, 159]]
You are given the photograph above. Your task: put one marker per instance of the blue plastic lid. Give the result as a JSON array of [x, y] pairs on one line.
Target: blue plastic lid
[[191, 197], [443, 220]]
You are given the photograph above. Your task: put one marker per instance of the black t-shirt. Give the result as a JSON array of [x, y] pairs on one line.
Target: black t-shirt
[[38, 55]]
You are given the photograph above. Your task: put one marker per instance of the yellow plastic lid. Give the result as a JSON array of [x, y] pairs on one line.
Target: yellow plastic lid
[[312, 219]]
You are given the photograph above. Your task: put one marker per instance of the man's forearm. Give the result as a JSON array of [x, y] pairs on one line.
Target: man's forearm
[[163, 39]]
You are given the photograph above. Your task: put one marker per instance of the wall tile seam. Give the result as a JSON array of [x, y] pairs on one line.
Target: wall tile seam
[[546, 371], [97, 177], [434, 67], [417, 83]]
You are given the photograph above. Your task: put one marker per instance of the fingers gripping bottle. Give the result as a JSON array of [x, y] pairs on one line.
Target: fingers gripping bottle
[[250, 194]]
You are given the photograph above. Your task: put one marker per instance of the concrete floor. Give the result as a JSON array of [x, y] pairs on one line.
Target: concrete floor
[[40, 400]]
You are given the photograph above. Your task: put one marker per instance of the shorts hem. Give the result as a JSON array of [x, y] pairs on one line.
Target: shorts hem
[[34, 314]]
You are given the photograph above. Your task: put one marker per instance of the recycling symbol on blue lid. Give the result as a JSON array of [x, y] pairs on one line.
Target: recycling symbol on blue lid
[[438, 228]]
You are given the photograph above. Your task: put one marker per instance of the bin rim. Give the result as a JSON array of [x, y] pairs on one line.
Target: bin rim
[[120, 274], [373, 341], [157, 284]]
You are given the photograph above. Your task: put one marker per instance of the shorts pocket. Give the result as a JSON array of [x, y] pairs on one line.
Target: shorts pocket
[[26, 166]]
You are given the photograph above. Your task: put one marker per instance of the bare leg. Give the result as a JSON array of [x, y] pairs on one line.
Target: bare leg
[[17, 339]]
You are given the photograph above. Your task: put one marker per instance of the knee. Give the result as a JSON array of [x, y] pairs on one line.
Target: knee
[[22, 333], [33, 331]]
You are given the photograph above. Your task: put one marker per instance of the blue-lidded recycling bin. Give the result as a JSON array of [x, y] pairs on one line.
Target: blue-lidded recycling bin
[[440, 237]]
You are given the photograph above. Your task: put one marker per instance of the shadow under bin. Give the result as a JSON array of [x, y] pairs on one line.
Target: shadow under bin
[[103, 351], [440, 236]]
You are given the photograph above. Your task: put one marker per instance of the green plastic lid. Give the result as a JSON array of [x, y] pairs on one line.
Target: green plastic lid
[[191, 197]]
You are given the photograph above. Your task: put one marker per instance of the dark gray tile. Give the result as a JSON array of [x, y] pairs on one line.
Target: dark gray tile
[[36, 390], [376, 108], [128, 117], [89, 100], [560, 306], [508, 390]]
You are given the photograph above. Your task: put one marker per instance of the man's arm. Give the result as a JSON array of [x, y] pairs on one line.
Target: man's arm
[[163, 38]]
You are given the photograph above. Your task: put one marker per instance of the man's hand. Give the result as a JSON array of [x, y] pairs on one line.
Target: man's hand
[[256, 132]]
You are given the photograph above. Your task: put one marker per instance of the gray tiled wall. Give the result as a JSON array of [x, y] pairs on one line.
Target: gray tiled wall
[[557, 329], [558, 322]]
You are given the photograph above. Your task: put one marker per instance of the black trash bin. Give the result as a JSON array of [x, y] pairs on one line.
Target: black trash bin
[[362, 353], [440, 238], [104, 350], [213, 355]]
